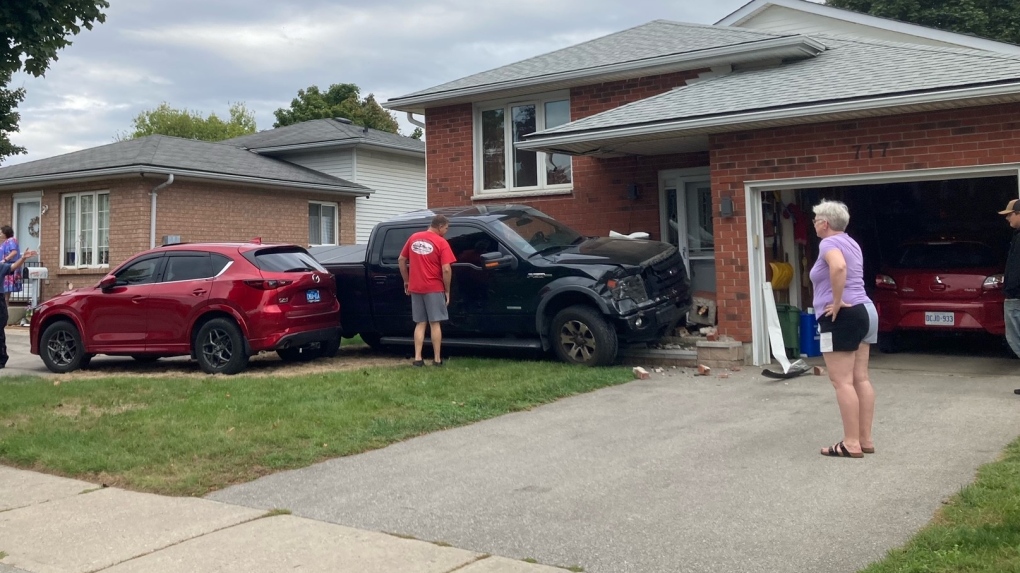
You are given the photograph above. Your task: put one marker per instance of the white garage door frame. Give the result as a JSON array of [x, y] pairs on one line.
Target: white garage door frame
[[753, 190]]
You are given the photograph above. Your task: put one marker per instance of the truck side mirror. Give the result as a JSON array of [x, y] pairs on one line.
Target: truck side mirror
[[497, 260]]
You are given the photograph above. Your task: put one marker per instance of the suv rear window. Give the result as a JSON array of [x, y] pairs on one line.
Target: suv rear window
[[284, 260], [947, 256]]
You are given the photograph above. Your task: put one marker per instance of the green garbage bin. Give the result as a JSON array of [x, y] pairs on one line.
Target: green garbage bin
[[789, 322]]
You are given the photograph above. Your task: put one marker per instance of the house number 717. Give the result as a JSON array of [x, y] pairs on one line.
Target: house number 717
[[871, 148]]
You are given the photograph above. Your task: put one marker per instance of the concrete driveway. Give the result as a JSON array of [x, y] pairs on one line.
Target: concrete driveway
[[679, 473]]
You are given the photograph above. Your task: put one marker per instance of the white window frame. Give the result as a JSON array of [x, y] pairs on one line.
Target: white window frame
[[539, 101], [336, 222], [95, 227]]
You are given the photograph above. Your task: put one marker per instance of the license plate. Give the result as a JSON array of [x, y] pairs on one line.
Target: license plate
[[312, 295], [939, 319]]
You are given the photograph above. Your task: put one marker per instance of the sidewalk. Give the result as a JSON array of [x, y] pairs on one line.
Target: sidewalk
[[56, 525]]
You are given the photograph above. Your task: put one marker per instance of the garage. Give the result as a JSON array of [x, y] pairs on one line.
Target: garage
[[892, 216]]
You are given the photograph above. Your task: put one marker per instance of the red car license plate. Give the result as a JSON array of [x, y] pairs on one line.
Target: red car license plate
[[939, 319]]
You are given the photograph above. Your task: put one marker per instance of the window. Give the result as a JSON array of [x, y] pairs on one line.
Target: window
[[322, 223], [85, 236], [393, 243], [139, 273], [284, 260], [501, 125], [469, 244], [188, 267]]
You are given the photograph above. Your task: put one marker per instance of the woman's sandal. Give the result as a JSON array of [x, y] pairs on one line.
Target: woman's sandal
[[840, 451]]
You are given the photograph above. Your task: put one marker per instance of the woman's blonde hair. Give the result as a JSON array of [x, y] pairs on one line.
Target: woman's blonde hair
[[835, 212]]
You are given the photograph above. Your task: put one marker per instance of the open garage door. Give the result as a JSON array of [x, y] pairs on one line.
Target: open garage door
[[932, 244]]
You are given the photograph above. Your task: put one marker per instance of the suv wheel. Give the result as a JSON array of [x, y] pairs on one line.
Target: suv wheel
[[61, 349], [219, 347], [580, 335], [330, 348]]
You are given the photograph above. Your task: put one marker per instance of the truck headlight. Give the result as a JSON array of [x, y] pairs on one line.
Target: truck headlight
[[632, 287]]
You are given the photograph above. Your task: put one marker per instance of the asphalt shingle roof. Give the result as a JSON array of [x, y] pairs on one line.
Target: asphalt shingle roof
[[654, 39], [174, 153], [324, 131], [850, 69]]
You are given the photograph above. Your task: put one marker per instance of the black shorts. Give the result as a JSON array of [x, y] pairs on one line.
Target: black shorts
[[847, 333]]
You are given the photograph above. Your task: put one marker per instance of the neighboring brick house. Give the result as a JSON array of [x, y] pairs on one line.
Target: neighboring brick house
[[720, 139], [88, 211]]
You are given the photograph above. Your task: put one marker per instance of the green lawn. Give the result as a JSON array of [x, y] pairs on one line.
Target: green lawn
[[978, 531], [192, 435]]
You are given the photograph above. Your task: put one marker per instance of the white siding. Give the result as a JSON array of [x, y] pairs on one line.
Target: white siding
[[336, 163], [781, 20], [399, 185]]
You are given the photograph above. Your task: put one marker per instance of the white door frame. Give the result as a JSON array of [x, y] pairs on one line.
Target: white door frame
[[682, 176], [760, 353]]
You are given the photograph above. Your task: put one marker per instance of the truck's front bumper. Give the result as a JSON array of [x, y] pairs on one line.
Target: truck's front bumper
[[650, 324]]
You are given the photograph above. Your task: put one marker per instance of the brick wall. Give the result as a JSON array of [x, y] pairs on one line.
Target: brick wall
[[599, 200], [196, 211], [985, 135]]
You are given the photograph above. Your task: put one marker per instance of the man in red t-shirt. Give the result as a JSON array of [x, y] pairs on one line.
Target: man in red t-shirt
[[428, 283]]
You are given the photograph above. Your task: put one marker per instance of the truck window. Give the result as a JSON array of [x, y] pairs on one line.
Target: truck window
[[469, 243], [393, 242]]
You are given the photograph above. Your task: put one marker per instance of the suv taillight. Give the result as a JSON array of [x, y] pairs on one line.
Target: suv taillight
[[267, 284], [993, 282], [885, 282]]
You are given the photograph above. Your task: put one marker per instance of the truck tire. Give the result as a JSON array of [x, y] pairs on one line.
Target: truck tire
[[331, 347], [372, 339], [580, 335]]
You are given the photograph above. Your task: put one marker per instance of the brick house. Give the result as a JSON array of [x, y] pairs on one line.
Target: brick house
[[88, 211], [720, 138]]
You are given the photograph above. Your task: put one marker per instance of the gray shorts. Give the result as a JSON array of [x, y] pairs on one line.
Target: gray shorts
[[429, 307], [872, 336]]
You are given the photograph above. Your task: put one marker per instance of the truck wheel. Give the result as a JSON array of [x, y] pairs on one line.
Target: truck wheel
[[372, 339], [330, 348], [300, 353], [61, 349], [220, 347], [581, 336]]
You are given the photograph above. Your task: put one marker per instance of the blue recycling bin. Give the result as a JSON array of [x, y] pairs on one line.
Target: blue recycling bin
[[810, 339]]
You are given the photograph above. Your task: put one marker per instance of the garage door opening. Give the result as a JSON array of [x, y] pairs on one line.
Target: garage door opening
[[932, 226]]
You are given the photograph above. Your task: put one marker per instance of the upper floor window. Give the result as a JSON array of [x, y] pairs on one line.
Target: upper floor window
[[322, 227], [502, 167], [85, 230]]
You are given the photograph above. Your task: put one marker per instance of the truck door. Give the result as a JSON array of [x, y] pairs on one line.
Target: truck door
[[391, 308], [470, 311]]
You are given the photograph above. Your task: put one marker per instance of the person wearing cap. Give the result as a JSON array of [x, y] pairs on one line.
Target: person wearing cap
[[1011, 279]]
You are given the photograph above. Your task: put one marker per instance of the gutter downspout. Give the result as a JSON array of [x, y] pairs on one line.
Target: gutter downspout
[[152, 210], [410, 118]]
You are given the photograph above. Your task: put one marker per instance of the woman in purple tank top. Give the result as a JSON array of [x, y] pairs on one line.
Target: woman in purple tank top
[[845, 319]]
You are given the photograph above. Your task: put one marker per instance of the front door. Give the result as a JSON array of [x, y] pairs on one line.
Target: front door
[[27, 230], [686, 198]]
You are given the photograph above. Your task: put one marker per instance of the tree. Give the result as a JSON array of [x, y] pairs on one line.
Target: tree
[[340, 100], [165, 120], [993, 19], [33, 31]]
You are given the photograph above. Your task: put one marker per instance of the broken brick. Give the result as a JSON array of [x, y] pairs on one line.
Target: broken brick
[[640, 373], [704, 370]]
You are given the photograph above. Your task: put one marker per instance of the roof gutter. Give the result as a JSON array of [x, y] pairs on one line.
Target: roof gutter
[[719, 123], [752, 51], [135, 169]]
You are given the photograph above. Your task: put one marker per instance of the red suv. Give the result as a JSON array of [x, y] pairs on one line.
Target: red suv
[[218, 302]]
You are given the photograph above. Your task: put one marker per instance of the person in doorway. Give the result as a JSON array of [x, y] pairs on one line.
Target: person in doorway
[[10, 252], [845, 322], [6, 269], [425, 266], [1011, 280]]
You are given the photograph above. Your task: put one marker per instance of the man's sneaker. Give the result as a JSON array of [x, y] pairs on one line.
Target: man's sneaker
[[418, 363], [440, 363]]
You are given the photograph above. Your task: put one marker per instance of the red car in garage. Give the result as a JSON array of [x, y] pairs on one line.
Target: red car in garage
[[943, 285]]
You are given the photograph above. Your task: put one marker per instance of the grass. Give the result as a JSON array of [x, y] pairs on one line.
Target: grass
[[977, 531], [192, 435]]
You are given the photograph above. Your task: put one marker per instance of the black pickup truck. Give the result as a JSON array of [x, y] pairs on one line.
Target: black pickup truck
[[522, 279]]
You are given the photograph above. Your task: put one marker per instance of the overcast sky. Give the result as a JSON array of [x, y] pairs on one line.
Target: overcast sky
[[202, 55]]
